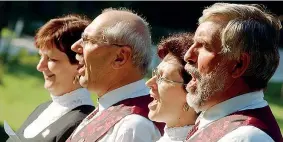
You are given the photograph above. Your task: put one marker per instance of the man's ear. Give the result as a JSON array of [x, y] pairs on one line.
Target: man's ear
[[123, 55], [241, 65]]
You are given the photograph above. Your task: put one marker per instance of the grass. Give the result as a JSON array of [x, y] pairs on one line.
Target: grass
[[272, 95], [22, 90]]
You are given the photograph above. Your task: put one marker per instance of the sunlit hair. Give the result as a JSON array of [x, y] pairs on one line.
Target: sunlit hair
[[176, 45], [248, 29], [61, 33], [139, 39]]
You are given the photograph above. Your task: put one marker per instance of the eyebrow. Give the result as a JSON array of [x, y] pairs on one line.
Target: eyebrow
[[201, 40], [84, 36]]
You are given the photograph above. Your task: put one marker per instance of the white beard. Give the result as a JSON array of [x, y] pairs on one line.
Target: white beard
[[207, 86]]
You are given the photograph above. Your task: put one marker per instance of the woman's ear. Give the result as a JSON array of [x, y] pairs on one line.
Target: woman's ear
[[123, 55], [241, 65]]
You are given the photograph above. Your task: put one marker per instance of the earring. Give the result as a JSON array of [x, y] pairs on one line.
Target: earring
[[76, 79], [186, 107]]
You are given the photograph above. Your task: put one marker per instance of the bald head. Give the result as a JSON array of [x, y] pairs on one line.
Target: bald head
[[115, 15], [112, 17], [123, 27]]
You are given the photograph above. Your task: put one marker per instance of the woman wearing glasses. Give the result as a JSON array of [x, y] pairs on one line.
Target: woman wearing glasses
[[168, 89]]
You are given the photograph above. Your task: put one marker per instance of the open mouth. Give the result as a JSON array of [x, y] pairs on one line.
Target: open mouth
[[194, 75], [49, 76], [153, 104], [81, 68], [192, 83]]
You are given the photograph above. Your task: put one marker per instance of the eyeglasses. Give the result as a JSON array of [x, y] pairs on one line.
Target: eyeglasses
[[159, 78], [86, 39]]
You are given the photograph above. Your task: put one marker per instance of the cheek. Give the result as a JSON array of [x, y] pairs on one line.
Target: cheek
[[172, 95], [72, 69], [53, 67], [206, 61], [69, 70], [89, 53], [62, 69]]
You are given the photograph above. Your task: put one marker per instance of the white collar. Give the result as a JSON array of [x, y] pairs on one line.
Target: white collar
[[60, 106], [177, 133], [246, 101], [73, 99], [132, 90]]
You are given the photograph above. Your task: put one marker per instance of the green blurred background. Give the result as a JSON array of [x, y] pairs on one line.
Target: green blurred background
[[21, 85]]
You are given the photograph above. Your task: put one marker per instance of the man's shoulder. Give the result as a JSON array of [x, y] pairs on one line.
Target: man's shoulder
[[136, 119], [246, 134], [138, 126]]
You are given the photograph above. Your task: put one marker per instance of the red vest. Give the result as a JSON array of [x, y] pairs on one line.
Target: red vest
[[100, 125], [261, 118]]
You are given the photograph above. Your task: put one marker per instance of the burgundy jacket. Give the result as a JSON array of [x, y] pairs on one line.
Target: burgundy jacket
[[100, 125], [261, 118]]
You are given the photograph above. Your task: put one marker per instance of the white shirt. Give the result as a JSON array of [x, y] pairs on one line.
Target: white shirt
[[132, 128], [176, 134], [60, 105], [247, 101]]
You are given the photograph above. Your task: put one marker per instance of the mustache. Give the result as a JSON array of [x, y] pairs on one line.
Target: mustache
[[193, 71], [80, 58]]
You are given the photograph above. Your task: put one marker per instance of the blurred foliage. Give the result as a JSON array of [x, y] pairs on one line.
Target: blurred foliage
[[1, 72], [7, 33]]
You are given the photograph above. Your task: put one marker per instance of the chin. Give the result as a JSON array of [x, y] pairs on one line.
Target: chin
[[194, 102], [48, 86], [152, 115]]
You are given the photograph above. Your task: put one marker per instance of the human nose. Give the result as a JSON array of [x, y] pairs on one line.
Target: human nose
[[78, 47], [42, 65], [191, 55], [151, 83]]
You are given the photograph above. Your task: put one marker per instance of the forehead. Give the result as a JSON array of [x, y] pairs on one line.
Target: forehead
[[208, 30], [95, 27], [49, 51], [90, 30], [169, 63]]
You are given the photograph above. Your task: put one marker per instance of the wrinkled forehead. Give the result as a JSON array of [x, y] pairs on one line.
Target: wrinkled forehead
[[96, 27], [208, 28], [92, 30]]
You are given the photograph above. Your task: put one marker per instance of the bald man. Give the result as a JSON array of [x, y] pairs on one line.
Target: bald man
[[114, 54]]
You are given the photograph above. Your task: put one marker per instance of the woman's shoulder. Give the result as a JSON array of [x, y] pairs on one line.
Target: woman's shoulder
[[44, 104], [79, 112], [38, 110]]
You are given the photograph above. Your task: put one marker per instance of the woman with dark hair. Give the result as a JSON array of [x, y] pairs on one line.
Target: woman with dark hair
[[55, 120], [167, 87]]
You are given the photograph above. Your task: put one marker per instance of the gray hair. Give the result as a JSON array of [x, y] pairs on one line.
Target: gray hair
[[248, 29], [139, 39]]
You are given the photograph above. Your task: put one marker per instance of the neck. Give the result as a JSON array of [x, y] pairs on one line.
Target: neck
[[187, 118], [239, 87], [120, 79], [65, 91]]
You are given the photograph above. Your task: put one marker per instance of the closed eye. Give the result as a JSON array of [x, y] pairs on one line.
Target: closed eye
[[52, 60]]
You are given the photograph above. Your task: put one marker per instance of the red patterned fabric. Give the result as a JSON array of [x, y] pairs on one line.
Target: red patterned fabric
[[193, 130], [262, 118], [100, 125]]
